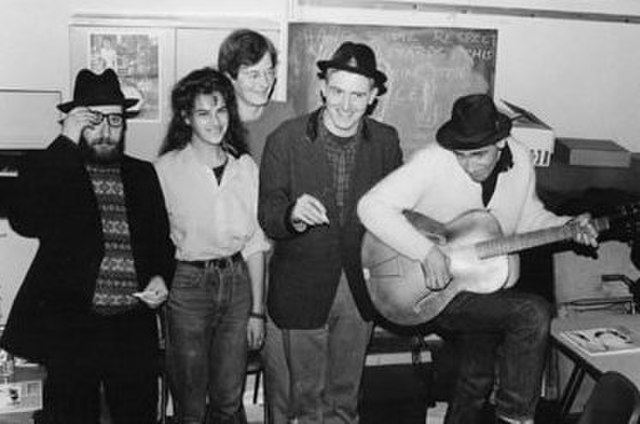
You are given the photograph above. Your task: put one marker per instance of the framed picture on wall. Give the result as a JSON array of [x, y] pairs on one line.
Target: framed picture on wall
[[136, 56]]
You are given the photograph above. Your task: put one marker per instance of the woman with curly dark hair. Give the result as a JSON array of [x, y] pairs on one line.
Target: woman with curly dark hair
[[215, 310]]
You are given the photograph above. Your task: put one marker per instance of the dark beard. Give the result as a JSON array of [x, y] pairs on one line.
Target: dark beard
[[91, 155]]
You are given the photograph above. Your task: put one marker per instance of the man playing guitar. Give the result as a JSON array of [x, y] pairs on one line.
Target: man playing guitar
[[476, 166]]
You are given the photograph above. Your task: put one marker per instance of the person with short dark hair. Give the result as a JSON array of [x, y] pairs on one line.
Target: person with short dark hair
[[215, 310], [250, 60], [475, 166], [314, 169], [86, 309]]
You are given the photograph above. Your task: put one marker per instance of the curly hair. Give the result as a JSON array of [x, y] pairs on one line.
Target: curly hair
[[183, 96], [244, 47]]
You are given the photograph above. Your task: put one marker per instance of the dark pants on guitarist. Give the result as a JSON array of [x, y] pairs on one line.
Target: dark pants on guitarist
[[500, 335]]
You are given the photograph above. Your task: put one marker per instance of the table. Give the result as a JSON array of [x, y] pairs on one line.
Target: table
[[627, 364]]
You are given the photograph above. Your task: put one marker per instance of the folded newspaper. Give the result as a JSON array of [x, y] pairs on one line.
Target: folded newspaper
[[604, 340]]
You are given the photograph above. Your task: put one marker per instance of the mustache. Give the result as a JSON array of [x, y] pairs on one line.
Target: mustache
[[104, 140]]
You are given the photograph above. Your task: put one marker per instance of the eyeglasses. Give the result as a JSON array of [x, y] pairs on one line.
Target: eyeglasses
[[113, 119], [253, 75]]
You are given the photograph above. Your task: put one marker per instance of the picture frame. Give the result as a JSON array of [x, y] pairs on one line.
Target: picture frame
[[136, 55]]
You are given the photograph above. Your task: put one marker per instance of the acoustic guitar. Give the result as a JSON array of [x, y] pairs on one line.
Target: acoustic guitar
[[480, 261]]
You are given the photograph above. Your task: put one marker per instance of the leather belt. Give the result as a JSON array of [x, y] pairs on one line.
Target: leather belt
[[220, 263]]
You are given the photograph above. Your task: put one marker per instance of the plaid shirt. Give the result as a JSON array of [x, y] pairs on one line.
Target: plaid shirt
[[341, 156]]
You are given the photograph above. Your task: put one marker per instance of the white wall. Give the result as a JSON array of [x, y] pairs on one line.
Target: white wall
[[582, 77], [34, 34]]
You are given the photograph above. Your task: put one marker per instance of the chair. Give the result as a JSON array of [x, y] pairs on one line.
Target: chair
[[163, 385], [254, 366], [614, 400]]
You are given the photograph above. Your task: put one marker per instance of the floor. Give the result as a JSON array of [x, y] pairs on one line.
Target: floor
[[435, 415]]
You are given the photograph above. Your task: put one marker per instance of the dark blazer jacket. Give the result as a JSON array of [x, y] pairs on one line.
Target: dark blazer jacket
[[55, 203], [305, 268]]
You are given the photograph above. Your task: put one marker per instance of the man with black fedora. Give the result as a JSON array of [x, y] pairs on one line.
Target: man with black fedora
[[314, 169], [475, 165], [86, 309]]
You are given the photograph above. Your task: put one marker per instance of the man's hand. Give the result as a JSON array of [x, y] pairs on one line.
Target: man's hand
[[436, 269], [255, 332], [585, 233], [76, 120], [155, 293], [308, 211]]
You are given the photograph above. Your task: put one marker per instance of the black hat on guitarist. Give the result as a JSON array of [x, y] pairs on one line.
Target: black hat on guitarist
[[475, 123]]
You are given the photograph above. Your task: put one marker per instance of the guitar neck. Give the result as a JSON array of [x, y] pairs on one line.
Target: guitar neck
[[519, 242]]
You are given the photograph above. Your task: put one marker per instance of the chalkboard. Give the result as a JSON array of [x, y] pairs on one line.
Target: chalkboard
[[428, 69]]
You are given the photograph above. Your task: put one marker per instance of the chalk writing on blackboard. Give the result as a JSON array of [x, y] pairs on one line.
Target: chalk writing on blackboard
[[428, 69]]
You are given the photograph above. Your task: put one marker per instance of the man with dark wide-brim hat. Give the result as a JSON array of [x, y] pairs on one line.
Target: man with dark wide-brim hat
[[314, 169], [480, 183], [86, 309]]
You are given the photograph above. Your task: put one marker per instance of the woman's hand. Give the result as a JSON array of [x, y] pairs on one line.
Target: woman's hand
[[255, 332]]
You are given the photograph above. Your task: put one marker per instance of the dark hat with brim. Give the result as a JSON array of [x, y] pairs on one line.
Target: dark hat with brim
[[475, 123], [97, 90], [359, 59]]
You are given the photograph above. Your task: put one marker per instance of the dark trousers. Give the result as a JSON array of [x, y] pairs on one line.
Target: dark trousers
[[122, 357], [504, 334], [326, 364], [208, 311]]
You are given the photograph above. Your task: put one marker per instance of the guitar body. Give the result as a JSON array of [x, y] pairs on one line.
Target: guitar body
[[396, 283]]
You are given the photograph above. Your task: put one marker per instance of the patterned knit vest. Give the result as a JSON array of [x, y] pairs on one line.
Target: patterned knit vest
[[117, 276]]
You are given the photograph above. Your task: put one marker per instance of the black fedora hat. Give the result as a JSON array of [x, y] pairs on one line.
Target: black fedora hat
[[97, 90], [475, 122], [357, 58]]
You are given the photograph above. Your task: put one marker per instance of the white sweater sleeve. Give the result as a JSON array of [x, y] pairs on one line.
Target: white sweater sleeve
[[534, 214], [380, 209]]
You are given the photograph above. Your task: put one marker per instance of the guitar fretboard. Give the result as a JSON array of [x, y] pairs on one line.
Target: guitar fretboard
[[518, 242]]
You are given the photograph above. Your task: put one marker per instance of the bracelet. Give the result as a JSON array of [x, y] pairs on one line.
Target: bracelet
[[257, 315]]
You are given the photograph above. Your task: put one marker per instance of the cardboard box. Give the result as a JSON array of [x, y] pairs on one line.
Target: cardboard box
[[531, 131], [592, 152]]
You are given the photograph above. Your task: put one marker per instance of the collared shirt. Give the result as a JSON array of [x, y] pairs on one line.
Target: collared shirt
[[341, 156], [505, 163], [210, 220]]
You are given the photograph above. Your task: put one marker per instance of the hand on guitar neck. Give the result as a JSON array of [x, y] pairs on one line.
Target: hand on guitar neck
[[583, 230], [436, 269]]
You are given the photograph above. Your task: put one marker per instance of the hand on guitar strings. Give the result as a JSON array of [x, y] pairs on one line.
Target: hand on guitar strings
[[583, 230], [436, 269], [308, 211]]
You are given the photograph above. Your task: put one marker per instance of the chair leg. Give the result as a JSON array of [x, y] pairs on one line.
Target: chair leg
[[256, 387]]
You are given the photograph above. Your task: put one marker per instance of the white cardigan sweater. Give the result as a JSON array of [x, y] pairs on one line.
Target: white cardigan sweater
[[434, 184]]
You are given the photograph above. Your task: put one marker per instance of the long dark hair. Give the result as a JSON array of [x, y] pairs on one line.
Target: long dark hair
[[203, 81]]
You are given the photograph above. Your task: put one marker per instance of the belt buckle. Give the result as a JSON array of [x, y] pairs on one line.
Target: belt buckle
[[221, 263]]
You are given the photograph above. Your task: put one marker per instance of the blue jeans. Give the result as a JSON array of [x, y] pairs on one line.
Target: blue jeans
[[505, 331], [326, 364], [207, 315]]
